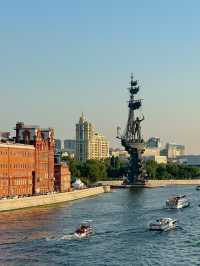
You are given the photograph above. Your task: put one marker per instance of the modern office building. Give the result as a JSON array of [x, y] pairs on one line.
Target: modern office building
[[58, 151], [70, 146], [58, 145], [152, 149], [151, 152], [156, 158], [173, 150], [121, 154], [153, 143], [190, 160], [89, 144], [84, 134]]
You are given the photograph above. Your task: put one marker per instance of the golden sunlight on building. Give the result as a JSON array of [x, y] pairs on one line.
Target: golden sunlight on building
[[90, 145]]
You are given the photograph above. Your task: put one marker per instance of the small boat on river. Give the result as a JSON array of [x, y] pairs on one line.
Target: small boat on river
[[198, 187], [177, 202], [163, 224], [84, 230]]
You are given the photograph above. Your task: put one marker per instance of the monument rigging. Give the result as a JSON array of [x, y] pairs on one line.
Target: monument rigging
[[132, 138]]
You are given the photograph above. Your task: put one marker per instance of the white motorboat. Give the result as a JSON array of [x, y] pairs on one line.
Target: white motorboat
[[84, 230], [177, 202], [198, 187], [163, 224]]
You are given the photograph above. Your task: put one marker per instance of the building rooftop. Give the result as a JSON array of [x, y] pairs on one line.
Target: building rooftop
[[16, 145]]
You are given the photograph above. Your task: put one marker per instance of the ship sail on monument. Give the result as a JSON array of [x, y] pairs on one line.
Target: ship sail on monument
[[132, 139]]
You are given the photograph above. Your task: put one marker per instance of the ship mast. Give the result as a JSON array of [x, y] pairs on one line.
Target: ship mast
[[132, 138]]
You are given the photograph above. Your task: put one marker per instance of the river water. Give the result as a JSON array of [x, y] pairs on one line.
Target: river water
[[41, 236]]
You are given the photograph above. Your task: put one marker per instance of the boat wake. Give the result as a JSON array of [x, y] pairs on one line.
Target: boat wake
[[56, 238], [108, 233], [65, 237]]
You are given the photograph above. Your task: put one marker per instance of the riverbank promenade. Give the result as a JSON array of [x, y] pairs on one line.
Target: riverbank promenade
[[34, 201]]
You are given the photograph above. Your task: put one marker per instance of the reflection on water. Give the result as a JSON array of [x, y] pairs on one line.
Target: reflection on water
[[33, 223], [44, 235]]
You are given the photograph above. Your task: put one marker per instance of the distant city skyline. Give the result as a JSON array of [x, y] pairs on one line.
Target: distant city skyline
[[59, 60]]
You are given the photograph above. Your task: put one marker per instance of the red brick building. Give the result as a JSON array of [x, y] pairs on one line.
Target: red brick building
[[27, 164], [44, 142], [17, 165], [62, 178]]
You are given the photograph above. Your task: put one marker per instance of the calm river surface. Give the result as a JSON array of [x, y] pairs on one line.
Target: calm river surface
[[34, 236]]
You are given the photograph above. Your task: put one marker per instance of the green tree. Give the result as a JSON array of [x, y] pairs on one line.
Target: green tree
[[75, 168], [161, 172], [94, 170], [151, 168], [114, 168], [173, 170]]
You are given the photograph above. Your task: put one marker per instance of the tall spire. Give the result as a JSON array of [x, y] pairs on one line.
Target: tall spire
[[82, 118]]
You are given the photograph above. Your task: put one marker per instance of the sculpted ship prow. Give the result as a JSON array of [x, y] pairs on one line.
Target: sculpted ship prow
[[132, 138]]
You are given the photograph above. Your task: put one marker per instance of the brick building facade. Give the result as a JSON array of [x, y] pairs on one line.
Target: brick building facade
[[27, 163], [17, 165], [43, 141], [62, 178]]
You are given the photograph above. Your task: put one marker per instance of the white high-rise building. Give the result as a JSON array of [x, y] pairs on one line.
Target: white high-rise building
[[99, 147], [173, 150], [90, 145]]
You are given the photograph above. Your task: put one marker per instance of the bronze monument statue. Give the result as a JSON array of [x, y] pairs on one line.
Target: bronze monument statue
[[132, 138]]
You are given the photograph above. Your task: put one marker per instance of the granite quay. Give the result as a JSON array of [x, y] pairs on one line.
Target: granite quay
[[34, 201], [155, 183]]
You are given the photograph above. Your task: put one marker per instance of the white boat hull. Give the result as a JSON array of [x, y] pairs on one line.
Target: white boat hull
[[177, 204], [183, 205], [161, 228], [165, 224]]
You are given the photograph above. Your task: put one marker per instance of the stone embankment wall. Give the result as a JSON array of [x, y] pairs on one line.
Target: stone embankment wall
[[21, 203], [157, 183], [171, 182], [110, 183]]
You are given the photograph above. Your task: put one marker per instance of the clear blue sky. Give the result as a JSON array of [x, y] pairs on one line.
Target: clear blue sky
[[59, 58]]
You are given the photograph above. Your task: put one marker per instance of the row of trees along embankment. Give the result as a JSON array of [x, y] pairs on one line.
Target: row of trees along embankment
[[171, 171], [92, 171]]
